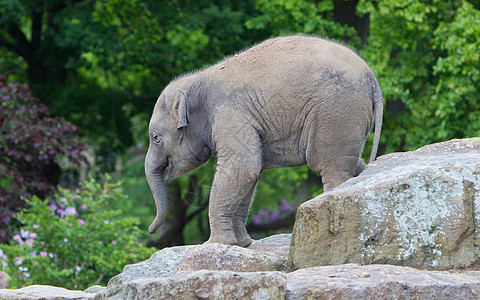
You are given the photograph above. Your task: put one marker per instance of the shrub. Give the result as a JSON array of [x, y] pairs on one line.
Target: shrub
[[31, 143], [72, 240]]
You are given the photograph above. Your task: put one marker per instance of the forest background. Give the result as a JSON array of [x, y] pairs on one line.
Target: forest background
[[100, 65]]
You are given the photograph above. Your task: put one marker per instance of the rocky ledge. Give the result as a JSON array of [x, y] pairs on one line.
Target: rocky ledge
[[415, 209]]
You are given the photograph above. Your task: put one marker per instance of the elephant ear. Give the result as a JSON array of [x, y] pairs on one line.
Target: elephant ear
[[181, 109]]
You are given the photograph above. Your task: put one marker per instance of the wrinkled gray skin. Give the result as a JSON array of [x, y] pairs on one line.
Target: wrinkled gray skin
[[286, 102]]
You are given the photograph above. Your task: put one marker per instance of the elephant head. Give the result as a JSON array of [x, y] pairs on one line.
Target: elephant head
[[178, 142]]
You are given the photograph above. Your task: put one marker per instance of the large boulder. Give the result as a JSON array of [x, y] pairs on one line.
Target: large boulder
[[353, 281], [43, 292], [418, 209], [202, 284], [230, 258], [161, 264], [271, 253]]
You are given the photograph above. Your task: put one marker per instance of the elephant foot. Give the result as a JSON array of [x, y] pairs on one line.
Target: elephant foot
[[244, 241], [226, 238]]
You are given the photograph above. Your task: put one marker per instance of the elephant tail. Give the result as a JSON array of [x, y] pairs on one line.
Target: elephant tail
[[378, 111]]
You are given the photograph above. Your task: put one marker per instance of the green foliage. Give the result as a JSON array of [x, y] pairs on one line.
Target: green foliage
[[281, 17], [456, 96], [72, 240], [425, 55]]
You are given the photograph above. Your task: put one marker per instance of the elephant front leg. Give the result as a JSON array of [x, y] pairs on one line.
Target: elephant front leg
[[230, 198], [238, 169], [240, 219]]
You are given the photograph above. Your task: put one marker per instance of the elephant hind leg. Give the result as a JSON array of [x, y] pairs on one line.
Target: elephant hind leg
[[360, 167], [336, 164]]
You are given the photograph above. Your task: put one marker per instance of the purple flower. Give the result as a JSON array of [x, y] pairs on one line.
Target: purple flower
[[36, 226], [83, 207], [18, 260], [78, 268], [71, 211], [24, 233], [17, 238], [33, 235], [33, 253], [52, 206], [114, 242], [44, 253], [64, 200], [81, 222], [262, 213], [256, 219], [61, 212], [274, 216], [286, 206], [106, 222], [4, 264], [51, 255]]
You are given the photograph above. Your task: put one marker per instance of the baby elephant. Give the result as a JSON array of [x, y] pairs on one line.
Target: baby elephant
[[286, 102]]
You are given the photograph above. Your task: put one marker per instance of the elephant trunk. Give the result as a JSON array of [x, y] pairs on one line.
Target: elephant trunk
[[156, 181]]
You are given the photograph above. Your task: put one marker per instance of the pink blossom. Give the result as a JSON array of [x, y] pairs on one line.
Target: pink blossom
[[71, 211], [44, 253], [64, 200], [33, 253], [36, 226], [17, 238], [81, 222], [33, 235], [52, 206], [18, 260], [83, 207], [24, 233], [114, 242], [51, 255], [4, 264]]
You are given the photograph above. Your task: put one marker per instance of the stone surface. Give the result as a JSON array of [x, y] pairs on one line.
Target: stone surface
[[419, 209], [202, 285], [278, 244], [162, 263], [4, 280], [43, 292], [353, 281], [230, 258], [95, 289]]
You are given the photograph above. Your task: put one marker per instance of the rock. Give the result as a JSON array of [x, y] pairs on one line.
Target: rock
[[352, 281], [230, 258], [167, 261], [4, 280], [418, 209], [202, 285], [162, 263], [278, 244], [43, 292], [95, 289]]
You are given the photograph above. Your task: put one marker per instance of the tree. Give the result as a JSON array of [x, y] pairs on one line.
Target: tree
[[425, 55], [32, 145]]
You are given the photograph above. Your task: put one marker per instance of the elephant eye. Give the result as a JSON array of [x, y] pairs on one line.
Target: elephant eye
[[156, 138]]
